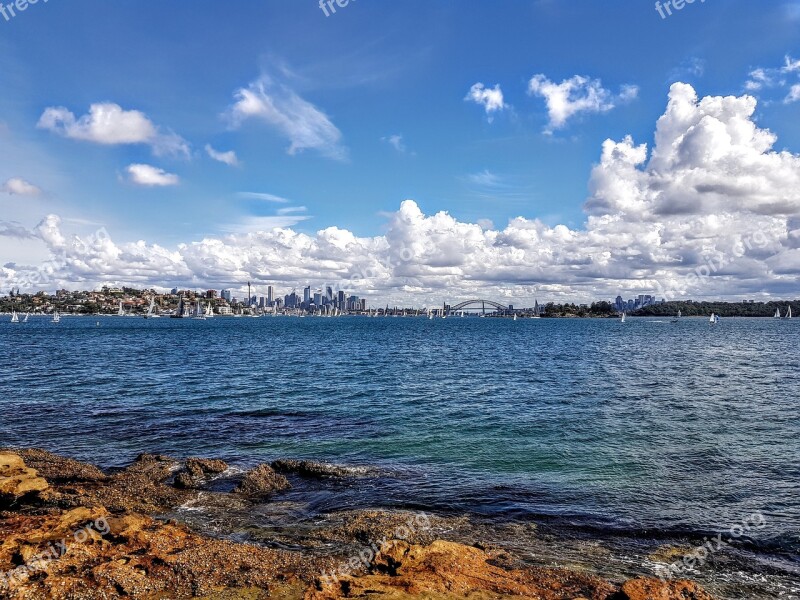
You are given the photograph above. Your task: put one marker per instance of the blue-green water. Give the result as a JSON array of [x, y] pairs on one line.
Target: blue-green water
[[642, 426]]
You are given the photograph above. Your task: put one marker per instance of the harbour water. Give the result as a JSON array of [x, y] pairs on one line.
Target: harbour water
[[647, 430]]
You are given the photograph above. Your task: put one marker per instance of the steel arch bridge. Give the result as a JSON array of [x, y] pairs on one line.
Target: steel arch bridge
[[478, 303]]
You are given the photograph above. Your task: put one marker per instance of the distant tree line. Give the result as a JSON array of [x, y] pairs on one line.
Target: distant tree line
[[723, 309]]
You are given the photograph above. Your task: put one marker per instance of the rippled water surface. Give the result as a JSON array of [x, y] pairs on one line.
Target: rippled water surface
[[637, 427]]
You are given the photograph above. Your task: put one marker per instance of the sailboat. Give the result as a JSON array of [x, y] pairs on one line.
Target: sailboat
[[536, 310], [25, 320], [56, 317], [198, 312], [14, 317], [121, 311], [178, 311], [677, 318], [714, 319], [777, 313], [209, 311], [151, 309], [788, 313], [515, 316], [622, 319], [430, 316]]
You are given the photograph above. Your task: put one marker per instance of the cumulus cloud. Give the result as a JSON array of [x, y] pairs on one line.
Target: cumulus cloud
[[491, 99], [150, 176], [711, 210], [303, 124], [229, 158], [576, 95], [19, 187], [109, 124]]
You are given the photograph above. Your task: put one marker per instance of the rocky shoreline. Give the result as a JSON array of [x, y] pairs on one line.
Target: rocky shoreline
[[71, 530]]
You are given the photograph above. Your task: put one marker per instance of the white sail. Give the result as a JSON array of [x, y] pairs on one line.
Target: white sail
[[121, 311], [777, 313], [25, 320], [151, 307], [210, 311], [56, 317], [14, 317], [679, 314], [788, 312], [622, 320]]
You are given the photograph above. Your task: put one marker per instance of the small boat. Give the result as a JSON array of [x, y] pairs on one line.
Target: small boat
[[714, 319], [121, 311], [622, 319], [25, 320], [179, 312], [788, 312], [14, 317], [56, 317], [677, 317], [209, 311], [777, 313], [151, 314], [198, 312], [515, 316]]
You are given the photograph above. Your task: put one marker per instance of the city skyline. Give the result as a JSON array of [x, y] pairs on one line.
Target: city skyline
[[410, 165]]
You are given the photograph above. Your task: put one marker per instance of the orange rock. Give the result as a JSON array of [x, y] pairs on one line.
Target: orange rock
[[654, 589]]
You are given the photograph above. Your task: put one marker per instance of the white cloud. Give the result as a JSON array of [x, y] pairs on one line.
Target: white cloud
[[229, 158], [490, 98], [291, 209], [149, 176], [576, 95], [264, 197], [712, 186], [485, 178], [396, 142], [303, 124], [110, 124], [788, 75], [19, 187]]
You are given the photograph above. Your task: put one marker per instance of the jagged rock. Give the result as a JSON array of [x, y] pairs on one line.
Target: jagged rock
[[58, 469], [447, 570], [17, 480], [313, 469], [654, 589], [197, 471], [262, 480]]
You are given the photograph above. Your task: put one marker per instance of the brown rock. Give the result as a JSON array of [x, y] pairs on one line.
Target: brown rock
[[197, 472], [17, 481], [646, 588], [262, 480], [447, 570], [58, 469]]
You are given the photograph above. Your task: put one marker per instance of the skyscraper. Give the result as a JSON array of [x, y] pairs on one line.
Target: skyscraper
[[270, 295], [307, 295]]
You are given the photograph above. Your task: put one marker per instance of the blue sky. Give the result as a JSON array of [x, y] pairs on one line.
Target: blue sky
[[375, 71]]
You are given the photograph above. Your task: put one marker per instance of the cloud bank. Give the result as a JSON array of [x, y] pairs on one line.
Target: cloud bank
[[712, 197]]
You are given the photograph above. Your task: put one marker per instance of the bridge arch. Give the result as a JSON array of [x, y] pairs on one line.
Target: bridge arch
[[478, 303]]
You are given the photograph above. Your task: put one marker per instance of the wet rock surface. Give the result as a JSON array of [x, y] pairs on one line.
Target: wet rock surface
[[316, 470], [262, 481], [197, 472], [113, 547]]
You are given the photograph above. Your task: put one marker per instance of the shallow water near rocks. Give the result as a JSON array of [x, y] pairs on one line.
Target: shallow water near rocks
[[606, 436]]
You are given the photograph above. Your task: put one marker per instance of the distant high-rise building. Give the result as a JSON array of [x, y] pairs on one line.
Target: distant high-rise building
[[270, 295], [318, 299], [307, 295], [226, 295], [340, 300]]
